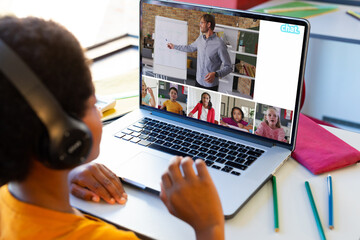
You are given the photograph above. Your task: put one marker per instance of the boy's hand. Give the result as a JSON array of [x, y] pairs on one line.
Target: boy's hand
[[210, 77], [94, 181], [193, 198], [170, 46]]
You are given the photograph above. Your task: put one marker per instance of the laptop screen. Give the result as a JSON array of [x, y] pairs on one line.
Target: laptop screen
[[238, 70]]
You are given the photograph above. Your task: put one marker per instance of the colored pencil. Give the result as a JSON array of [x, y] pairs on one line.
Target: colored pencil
[[354, 14], [315, 212], [330, 192], [276, 211]]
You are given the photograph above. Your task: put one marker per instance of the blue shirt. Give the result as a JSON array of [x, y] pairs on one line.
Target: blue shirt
[[211, 53]]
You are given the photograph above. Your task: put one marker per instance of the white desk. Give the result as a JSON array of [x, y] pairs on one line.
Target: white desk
[[144, 212]]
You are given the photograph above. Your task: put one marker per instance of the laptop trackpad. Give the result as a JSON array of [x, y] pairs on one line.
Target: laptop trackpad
[[145, 169]]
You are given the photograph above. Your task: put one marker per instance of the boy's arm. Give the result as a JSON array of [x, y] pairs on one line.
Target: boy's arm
[[193, 197]]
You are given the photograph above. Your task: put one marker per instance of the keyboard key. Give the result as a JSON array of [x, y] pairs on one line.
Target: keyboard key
[[259, 150], [202, 149], [223, 150], [153, 134], [135, 134], [215, 142], [251, 158], [167, 144], [230, 158], [235, 173], [226, 169], [184, 149], [225, 145], [146, 132], [180, 137], [211, 157], [233, 153], [193, 152], [235, 165], [240, 160], [214, 147], [169, 139], [205, 144], [253, 153], [126, 131], [143, 136], [135, 140], [220, 160], [151, 139], [248, 162], [197, 142], [135, 129], [119, 134], [139, 125], [172, 135], [219, 154], [202, 155], [233, 147], [212, 152], [198, 137], [127, 137], [186, 144], [209, 163], [161, 136], [176, 141], [176, 147], [190, 140], [243, 150], [144, 143], [194, 147], [216, 166], [160, 141]]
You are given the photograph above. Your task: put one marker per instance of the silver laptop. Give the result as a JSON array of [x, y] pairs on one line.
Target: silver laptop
[[221, 85]]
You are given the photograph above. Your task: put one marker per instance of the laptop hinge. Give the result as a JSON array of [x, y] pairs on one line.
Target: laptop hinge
[[195, 123]]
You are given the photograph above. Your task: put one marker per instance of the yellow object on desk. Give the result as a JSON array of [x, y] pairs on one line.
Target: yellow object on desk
[[124, 88]]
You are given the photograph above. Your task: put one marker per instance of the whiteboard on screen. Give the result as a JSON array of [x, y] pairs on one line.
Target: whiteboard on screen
[[170, 62]]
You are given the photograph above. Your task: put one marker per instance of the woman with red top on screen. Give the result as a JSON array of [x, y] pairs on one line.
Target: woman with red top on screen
[[204, 109]]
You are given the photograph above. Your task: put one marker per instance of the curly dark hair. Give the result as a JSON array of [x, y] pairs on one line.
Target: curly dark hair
[[58, 60]]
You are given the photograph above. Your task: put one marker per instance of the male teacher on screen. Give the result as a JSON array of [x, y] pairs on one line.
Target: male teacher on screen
[[211, 53]]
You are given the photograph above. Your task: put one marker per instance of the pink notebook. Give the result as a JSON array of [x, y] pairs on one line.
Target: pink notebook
[[321, 151]]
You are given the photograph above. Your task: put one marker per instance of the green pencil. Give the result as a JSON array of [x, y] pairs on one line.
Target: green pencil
[[276, 211], [315, 212]]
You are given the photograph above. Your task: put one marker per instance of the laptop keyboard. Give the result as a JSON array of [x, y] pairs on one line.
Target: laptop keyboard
[[218, 153]]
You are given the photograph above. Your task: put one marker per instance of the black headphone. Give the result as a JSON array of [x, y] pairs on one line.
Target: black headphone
[[70, 140]]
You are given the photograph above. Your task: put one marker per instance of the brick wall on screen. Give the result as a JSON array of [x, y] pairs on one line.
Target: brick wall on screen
[[192, 17]]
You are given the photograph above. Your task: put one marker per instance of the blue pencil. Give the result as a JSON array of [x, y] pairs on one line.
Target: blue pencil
[[315, 212], [330, 192]]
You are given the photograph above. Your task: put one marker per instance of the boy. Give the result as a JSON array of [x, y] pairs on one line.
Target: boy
[[172, 105], [34, 200]]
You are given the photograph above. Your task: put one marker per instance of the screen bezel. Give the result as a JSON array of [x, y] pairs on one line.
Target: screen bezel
[[237, 13]]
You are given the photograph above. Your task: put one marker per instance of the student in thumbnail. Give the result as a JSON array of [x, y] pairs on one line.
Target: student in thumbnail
[[236, 119], [147, 95], [211, 53], [172, 105], [34, 196], [271, 127], [204, 108]]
